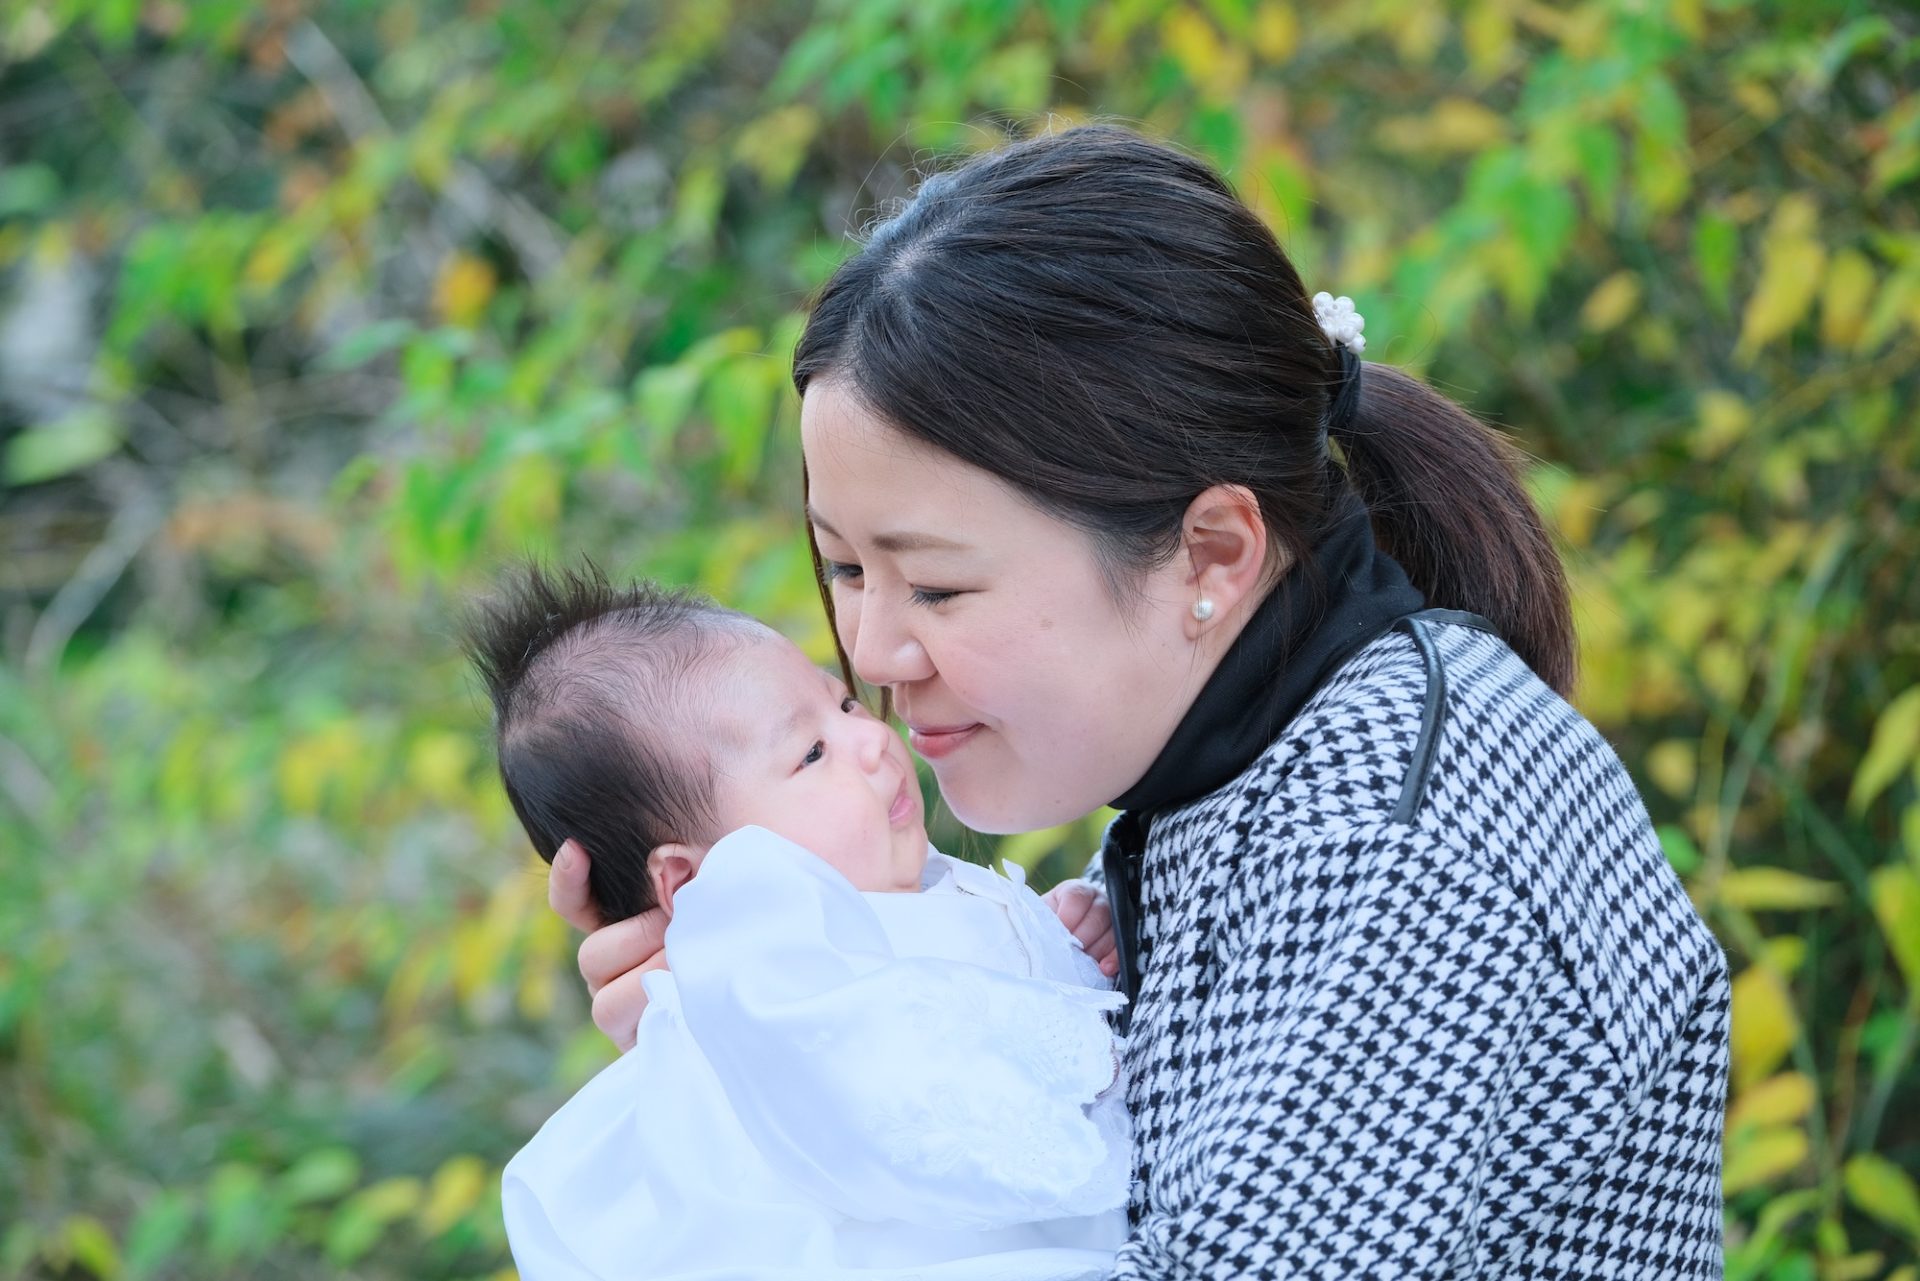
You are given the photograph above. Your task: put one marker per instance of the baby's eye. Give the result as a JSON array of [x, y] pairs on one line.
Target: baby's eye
[[814, 753]]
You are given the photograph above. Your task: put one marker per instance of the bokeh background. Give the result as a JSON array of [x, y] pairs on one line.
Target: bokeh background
[[311, 314]]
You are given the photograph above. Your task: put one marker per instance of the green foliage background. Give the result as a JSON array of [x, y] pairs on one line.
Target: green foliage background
[[312, 313]]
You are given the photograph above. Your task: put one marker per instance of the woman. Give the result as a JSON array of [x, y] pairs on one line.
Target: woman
[[1115, 516]]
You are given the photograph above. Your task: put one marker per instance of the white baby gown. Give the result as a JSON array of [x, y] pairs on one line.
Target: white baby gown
[[830, 1084]]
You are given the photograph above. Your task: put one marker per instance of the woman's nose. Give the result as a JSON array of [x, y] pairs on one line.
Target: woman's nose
[[884, 652]]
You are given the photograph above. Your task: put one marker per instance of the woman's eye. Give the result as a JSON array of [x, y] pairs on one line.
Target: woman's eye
[[931, 596], [839, 571], [814, 753]]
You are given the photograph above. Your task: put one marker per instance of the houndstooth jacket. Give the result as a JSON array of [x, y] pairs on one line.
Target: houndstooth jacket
[[1420, 997]]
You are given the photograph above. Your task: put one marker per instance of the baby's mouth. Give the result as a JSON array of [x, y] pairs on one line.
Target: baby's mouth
[[902, 808]]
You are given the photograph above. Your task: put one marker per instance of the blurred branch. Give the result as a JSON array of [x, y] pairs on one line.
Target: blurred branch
[[135, 521], [30, 790], [537, 241]]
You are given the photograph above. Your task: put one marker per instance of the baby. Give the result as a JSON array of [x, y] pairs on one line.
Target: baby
[[865, 1059]]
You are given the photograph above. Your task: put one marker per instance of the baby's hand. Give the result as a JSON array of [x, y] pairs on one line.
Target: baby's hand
[[1082, 907]]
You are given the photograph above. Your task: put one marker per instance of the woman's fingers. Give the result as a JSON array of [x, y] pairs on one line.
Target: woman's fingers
[[567, 890], [613, 951], [619, 1003]]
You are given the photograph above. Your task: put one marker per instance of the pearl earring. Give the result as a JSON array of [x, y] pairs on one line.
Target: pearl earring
[[1203, 609]]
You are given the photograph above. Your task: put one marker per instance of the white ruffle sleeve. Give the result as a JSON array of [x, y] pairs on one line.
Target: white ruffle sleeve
[[807, 1098]]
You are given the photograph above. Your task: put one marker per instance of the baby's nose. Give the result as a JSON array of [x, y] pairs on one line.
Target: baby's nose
[[872, 742]]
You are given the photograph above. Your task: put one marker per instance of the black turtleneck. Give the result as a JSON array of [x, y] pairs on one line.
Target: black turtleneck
[[1316, 617]]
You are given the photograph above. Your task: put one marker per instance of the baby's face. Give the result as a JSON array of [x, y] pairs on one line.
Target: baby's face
[[800, 757]]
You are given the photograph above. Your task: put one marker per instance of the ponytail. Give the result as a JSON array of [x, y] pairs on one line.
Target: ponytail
[[1447, 503]]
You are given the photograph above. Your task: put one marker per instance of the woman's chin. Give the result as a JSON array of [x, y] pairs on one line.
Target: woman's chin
[[996, 813]]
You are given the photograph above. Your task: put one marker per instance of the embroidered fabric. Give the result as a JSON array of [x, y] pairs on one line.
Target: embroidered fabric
[[832, 1084]]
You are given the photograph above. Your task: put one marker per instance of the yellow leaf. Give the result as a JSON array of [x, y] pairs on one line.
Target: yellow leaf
[[1895, 891], [538, 991], [1673, 765], [456, 1188], [1843, 301], [1762, 1157], [775, 146], [1276, 31], [1895, 744], [1764, 1024], [1487, 31], [1204, 58], [1778, 1100], [1896, 303], [91, 1246], [1611, 302], [530, 495], [388, 1199], [1418, 32], [438, 765], [474, 959], [270, 261], [1853, 1267], [464, 288], [1724, 419], [1759, 101], [1879, 1188], [1795, 217], [1453, 125], [1766, 889], [1789, 279]]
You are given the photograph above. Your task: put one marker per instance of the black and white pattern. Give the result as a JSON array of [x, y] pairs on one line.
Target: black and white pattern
[[1482, 1034]]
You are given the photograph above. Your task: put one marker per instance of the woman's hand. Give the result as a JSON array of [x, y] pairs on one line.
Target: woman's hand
[[612, 957], [1083, 908]]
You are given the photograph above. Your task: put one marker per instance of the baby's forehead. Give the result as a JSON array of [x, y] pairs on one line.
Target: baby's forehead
[[758, 684]]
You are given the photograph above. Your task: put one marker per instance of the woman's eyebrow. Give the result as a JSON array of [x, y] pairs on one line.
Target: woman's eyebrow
[[897, 541]]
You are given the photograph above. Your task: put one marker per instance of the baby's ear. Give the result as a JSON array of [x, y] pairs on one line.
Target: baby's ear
[[669, 867]]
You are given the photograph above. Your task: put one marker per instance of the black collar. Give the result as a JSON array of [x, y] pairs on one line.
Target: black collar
[[1316, 617], [1319, 615]]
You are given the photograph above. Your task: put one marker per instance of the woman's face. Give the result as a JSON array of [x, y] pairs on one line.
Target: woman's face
[[1033, 694]]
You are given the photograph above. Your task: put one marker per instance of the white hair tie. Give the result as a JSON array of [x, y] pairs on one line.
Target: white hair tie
[[1340, 322]]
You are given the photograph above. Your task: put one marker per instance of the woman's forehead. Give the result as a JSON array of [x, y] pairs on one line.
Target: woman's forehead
[[870, 482]]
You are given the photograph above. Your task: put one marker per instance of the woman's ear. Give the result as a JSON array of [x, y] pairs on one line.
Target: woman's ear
[[669, 867], [1225, 541]]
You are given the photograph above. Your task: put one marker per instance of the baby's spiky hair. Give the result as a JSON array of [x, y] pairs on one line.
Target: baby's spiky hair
[[596, 715]]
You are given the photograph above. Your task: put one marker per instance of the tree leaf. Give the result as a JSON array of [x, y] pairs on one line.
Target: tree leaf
[[60, 448], [1844, 298], [1681, 852], [1764, 1024], [1762, 1157], [1778, 1100], [1791, 262], [1882, 1190], [1895, 891], [1776, 889], [1894, 746]]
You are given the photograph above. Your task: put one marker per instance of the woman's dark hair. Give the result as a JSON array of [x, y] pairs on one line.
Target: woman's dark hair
[[588, 681], [1096, 319]]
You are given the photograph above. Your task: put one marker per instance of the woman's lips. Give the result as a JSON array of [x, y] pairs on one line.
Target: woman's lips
[[935, 741]]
